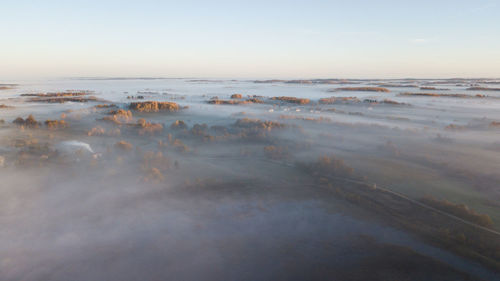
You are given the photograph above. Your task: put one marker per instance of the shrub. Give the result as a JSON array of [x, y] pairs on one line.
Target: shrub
[[363, 89], [148, 128], [234, 102], [105, 106], [56, 124], [178, 125], [292, 100], [339, 100], [154, 106], [30, 122], [153, 175], [249, 123], [96, 131], [328, 166], [124, 145]]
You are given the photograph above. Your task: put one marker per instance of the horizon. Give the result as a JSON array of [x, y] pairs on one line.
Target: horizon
[[284, 79]]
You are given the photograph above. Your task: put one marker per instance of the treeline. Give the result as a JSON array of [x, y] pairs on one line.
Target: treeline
[[327, 166], [439, 230], [459, 210]]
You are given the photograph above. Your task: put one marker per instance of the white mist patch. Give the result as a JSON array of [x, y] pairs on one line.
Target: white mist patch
[[73, 145]]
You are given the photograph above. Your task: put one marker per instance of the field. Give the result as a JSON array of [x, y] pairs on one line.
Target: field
[[219, 178]]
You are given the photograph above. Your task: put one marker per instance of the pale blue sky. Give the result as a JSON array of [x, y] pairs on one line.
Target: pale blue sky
[[288, 39]]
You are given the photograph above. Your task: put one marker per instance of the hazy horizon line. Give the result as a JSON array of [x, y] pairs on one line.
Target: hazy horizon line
[[140, 77]]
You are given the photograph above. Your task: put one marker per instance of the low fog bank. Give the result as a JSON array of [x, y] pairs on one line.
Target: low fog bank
[[80, 228], [249, 180]]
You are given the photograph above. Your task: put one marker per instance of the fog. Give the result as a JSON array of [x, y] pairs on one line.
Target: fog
[[288, 181]]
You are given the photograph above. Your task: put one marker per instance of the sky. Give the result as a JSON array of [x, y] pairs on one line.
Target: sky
[[250, 39]]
